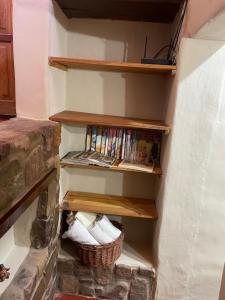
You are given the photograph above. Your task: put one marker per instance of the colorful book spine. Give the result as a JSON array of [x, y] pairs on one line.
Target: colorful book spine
[[99, 140], [128, 145], [94, 133], [88, 139], [109, 148], [114, 132], [123, 144], [119, 143], [156, 149], [104, 137], [134, 145], [107, 142]]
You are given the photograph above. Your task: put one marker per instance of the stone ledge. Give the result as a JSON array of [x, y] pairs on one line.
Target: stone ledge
[[28, 151], [34, 276]]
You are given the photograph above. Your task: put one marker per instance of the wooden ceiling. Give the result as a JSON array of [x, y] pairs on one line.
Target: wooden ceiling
[[163, 11]]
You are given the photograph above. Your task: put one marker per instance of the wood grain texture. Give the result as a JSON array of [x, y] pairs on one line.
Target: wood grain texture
[[156, 171], [7, 219], [7, 81], [111, 205], [102, 65], [73, 117], [5, 17], [7, 77], [135, 10]]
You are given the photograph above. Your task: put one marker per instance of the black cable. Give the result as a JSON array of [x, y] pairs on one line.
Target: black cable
[[157, 54]]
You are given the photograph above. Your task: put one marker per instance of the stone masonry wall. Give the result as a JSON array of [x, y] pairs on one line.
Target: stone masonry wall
[[28, 151], [118, 282], [36, 278]]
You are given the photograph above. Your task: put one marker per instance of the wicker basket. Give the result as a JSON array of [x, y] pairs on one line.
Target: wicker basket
[[102, 255]]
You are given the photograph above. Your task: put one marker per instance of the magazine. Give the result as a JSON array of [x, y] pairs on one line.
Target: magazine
[[88, 158]]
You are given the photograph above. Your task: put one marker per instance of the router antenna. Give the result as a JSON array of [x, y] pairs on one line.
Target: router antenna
[[145, 50]]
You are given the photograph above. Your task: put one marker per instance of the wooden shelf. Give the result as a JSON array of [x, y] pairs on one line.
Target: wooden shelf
[[145, 11], [111, 205], [102, 65], [134, 253], [73, 117], [156, 171]]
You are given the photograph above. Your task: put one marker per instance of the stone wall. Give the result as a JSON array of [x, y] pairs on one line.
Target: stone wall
[[118, 282], [37, 277], [29, 151]]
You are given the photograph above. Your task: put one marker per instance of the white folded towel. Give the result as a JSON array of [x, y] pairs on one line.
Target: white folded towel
[[109, 228], [87, 219], [99, 234], [78, 233]]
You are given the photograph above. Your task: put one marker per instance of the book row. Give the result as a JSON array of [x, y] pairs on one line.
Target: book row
[[140, 146]]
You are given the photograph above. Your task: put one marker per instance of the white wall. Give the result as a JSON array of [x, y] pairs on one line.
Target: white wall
[[190, 232], [15, 244]]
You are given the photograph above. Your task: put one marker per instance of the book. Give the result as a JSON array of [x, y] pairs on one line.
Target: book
[[107, 142], [156, 148], [110, 138], [113, 151], [141, 148], [123, 145], [128, 145], [88, 139], [134, 145], [104, 137], [99, 140], [94, 132], [119, 143]]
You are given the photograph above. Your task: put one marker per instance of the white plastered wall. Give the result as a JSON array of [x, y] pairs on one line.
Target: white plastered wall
[[15, 244], [190, 243]]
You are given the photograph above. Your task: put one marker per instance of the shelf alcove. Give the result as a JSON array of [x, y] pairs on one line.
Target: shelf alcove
[[105, 85]]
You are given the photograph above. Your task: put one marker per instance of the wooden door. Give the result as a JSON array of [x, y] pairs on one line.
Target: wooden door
[[7, 76]]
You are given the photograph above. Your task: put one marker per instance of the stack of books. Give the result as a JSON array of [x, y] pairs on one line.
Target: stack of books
[[127, 148], [89, 158]]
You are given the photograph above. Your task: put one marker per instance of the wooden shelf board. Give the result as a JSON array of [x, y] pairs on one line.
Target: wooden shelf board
[[156, 171], [102, 65], [111, 205], [134, 254], [73, 117]]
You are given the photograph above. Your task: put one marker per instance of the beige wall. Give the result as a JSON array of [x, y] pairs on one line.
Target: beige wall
[[200, 12], [191, 227], [30, 21]]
